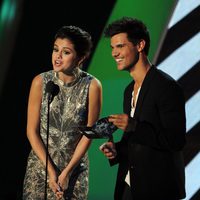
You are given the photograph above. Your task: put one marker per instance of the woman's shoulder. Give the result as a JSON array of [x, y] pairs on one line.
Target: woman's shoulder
[[42, 78], [95, 82], [92, 77], [47, 73]]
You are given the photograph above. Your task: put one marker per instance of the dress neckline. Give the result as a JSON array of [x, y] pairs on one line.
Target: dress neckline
[[62, 83]]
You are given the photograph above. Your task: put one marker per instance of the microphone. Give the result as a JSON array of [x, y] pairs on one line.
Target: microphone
[[101, 129], [52, 90]]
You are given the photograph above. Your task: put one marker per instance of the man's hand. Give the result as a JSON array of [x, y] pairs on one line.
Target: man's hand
[[108, 149], [119, 120]]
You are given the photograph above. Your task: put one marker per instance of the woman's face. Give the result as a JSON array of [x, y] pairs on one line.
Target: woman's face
[[64, 56]]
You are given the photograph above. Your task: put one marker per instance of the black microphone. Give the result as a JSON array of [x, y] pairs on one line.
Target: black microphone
[[52, 90]]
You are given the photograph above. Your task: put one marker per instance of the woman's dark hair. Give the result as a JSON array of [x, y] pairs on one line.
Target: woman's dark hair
[[81, 39], [135, 29]]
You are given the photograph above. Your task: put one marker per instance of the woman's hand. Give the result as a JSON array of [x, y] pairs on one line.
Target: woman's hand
[[63, 180], [59, 193], [53, 184]]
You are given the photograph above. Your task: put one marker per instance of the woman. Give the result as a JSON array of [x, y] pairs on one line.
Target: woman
[[78, 103]]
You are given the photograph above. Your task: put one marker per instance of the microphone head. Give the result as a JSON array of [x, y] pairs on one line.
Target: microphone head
[[52, 89]]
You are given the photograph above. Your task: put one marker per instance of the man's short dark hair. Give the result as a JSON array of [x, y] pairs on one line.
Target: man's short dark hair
[[136, 30]]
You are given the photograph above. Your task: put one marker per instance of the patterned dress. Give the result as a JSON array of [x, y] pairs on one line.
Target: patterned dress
[[68, 110]]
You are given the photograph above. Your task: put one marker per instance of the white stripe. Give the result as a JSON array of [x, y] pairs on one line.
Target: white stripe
[[192, 177], [176, 65], [192, 110], [183, 8], [181, 60]]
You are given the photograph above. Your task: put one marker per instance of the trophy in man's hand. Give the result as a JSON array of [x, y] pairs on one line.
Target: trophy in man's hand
[[101, 129]]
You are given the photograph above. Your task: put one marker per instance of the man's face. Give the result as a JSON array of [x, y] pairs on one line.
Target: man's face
[[124, 52]]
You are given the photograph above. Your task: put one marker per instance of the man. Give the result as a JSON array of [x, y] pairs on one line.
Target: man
[[149, 154]]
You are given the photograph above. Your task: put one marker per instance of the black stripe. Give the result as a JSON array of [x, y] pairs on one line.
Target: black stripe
[[192, 146], [190, 81], [196, 195], [180, 33]]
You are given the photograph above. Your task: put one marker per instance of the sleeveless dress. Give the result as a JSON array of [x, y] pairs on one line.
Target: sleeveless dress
[[68, 110]]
